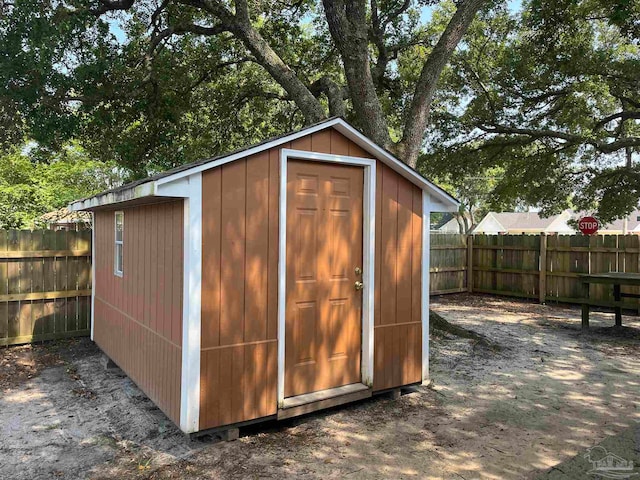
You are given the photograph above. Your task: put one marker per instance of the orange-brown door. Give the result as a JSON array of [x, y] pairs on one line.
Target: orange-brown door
[[323, 328]]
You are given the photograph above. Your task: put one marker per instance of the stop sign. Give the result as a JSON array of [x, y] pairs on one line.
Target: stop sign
[[588, 225]]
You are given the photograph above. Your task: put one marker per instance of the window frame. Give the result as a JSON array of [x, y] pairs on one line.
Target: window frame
[[120, 243]]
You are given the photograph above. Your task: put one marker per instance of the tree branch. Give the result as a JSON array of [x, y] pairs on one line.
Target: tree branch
[[242, 11], [207, 75], [394, 14], [601, 146], [347, 21], [336, 95], [240, 26], [533, 133], [482, 87], [253, 93], [418, 114], [377, 32], [625, 115], [111, 6], [184, 29]]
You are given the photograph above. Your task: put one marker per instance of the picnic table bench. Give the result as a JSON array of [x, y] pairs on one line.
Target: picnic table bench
[[617, 279]]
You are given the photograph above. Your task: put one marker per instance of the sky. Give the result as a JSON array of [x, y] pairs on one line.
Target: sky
[[116, 29]]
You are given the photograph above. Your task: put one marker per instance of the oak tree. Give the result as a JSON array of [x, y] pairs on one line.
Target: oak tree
[[67, 74], [550, 98]]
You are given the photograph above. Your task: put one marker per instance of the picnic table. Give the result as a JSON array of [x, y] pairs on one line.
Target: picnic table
[[617, 279]]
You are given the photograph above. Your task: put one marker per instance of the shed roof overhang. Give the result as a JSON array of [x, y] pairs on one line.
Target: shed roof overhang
[[164, 185]]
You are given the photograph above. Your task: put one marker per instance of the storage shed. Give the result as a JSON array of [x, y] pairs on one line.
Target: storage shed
[[267, 283]]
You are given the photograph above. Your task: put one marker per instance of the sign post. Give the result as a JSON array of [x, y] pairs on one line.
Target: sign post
[[588, 225]]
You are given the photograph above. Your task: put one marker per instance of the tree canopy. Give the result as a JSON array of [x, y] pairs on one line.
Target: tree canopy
[[206, 68], [550, 101], [535, 106], [31, 186]]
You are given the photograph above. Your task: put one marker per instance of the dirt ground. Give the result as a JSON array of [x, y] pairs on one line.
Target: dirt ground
[[545, 396]]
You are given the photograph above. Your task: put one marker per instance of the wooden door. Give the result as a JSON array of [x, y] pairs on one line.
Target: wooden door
[[323, 329]]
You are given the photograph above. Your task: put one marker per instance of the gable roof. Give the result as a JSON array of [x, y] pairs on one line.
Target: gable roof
[[147, 187], [505, 222], [524, 220], [633, 223]]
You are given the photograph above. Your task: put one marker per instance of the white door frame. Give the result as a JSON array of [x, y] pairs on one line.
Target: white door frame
[[368, 254]]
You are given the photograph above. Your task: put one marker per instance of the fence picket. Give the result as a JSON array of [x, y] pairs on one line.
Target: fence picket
[[510, 264], [448, 269]]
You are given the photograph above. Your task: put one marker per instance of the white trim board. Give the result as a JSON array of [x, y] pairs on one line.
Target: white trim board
[[368, 257], [442, 199], [426, 251], [191, 190], [93, 272]]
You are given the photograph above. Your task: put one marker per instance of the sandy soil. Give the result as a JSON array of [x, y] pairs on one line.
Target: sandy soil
[[62, 416], [546, 395]]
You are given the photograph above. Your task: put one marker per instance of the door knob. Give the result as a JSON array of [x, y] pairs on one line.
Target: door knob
[[359, 285], [358, 271]]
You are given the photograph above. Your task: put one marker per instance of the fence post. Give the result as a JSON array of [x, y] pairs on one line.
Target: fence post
[[470, 263], [542, 267]]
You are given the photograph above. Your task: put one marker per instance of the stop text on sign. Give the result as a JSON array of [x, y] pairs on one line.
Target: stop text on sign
[[588, 225]]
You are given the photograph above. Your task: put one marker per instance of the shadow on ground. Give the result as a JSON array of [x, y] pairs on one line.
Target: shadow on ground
[[546, 396]]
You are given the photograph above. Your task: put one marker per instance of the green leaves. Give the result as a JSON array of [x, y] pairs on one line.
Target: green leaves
[[538, 107], [31, 186], [66, 76], [549, 97]]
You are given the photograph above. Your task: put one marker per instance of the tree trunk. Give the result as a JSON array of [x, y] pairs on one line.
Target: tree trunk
[[281, 73], [348, 26], [461, 226], [418, 116]]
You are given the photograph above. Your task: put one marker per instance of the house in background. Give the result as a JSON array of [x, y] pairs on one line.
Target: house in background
[[452, 223], [524, 222], [65, 219], [618, 226], [516, 223]]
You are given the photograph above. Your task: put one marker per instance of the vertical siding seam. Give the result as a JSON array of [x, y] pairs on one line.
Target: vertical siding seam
[[412, 253], [268, 276], [219, 272], [244, 260], [382, 223], [397, 239]]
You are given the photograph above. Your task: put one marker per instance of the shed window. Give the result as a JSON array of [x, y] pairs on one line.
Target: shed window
[[118, 264]]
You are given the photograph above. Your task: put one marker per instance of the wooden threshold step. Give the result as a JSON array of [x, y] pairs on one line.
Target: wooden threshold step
[[310, 402]]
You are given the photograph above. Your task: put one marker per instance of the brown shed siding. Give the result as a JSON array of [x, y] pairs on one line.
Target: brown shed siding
[[238, 372], [138, 317], [398, 329]]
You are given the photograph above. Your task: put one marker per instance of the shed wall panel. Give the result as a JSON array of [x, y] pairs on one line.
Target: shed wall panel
[[240, 281], [238, 373], [138, 317], [398, 329]]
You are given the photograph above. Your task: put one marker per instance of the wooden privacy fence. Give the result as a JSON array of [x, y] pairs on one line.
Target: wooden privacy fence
[[541, 267], [449, 259], [45, 285], [45, 276]]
